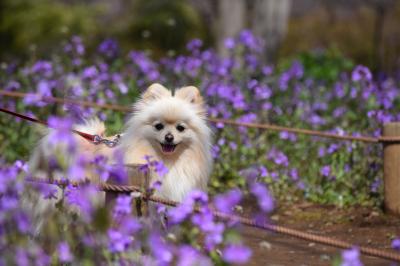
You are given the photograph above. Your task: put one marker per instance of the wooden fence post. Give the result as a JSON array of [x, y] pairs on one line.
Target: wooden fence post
[[391, 168], [136, 178]]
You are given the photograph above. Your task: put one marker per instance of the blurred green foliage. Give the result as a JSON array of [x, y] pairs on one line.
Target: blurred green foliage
[[38, 26], [165, 25], [323, 65]]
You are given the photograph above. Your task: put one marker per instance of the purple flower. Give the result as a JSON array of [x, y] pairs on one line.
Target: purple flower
[[351, 257], [267, 70], [332, 148], [264, 199], [42, 67], [23, 222], [117, 241], [294, 175], [237, 254], [75, 46], [129, 225], [157, 166], [361, 73], [21, 165], [188, 255], [180, 213], [44, 88], [204, 220], [21, 258], [183, 210], [62, 133], [64, 252], [198, 196], [296, 70], [284, 135], [8, 203], [156, 185], [160, 168], [274, 175], [194, 44], [339, 111], [77, 169], [229, 43], [315, 119], [123, 205], [321, 152], [263, 171], [145, 65], [12, 85], [117, 172], [221, 142], [7, 178], [214, 236], [83, 198], [41, 258], [90, 72], [353, 92], [109, 48], [396, 244], [267, 106], [161, 251], [122, 87], [247, 38], [227, 201], [301, 185], [346, 168], [278, 157], [251, 174], [144, 168], [339, 90], [325, 171], [263, 92]]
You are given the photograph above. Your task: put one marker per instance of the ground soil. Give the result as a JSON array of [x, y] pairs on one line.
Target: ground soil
[[359, 225]]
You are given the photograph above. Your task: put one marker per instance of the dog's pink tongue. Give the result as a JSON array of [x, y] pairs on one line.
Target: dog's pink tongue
[[168, 148]]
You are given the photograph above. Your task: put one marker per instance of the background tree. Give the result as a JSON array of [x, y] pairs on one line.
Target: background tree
[[270, 21]]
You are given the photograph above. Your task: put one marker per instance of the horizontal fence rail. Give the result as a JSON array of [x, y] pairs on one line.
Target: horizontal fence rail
[[317, 133]]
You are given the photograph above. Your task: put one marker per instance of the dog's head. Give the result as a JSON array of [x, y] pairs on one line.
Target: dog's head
[[171, 123]]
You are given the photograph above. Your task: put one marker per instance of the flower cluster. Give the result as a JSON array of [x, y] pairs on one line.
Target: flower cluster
[[248, 161], [67, 223]]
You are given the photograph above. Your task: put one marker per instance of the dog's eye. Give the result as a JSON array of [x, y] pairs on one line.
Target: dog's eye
[[159, 126], [180, 128]]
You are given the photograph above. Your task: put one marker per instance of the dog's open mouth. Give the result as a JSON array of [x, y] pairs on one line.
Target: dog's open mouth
[[168, 148]]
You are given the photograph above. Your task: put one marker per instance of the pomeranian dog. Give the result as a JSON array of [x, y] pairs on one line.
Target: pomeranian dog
[[169, 127]]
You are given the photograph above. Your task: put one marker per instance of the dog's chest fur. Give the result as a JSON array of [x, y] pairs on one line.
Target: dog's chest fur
[[183, 176]]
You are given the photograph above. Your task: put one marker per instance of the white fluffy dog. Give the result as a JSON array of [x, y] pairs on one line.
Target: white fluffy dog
[[170, 128]]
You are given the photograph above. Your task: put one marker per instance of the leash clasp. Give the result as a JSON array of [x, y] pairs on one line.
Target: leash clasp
[[109, 143]]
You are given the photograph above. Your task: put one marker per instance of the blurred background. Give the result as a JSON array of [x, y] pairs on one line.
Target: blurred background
[[365, 31]]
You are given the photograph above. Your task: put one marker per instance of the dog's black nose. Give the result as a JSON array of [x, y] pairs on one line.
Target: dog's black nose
[[169, 138]]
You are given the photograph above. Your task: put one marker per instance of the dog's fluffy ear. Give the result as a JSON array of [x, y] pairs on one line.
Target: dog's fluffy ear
[[190, 94], [155, 91]]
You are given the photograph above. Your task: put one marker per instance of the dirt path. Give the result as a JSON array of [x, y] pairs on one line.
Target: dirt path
[[361, 226]]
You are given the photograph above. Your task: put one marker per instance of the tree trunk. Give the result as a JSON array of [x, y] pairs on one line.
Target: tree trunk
[[270, 21], [230, 21]]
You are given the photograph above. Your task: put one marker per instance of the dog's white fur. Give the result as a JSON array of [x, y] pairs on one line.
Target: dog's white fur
[[189, 164]]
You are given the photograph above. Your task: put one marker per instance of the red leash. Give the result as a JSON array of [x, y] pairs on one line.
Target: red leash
[[96, 139]]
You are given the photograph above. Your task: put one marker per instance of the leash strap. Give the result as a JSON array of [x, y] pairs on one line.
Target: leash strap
[[23, 117], [95, 139]]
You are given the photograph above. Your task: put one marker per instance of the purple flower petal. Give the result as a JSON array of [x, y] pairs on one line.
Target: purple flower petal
[[237, 254]]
